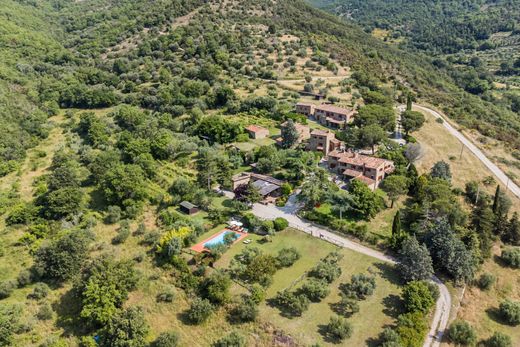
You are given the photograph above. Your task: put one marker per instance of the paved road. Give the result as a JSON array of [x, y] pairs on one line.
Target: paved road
[[475, 150], [443, 306]]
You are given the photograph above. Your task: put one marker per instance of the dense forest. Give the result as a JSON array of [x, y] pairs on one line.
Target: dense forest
[[479, 39], [114, 113]]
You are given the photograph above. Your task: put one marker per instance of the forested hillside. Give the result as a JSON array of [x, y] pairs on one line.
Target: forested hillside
[[123, 123], [479, 38]]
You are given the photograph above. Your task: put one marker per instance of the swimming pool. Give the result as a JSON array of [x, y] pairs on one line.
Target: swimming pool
[[219, 239]]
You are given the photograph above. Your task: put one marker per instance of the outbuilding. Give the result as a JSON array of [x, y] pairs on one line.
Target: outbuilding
[[188, 208]]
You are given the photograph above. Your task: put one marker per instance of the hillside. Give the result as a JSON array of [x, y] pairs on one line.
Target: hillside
[[125, 123], [480, 39]]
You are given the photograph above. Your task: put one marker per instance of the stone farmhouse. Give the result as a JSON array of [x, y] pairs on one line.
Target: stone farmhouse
[[331, 116], [349, 165], [323, 141]]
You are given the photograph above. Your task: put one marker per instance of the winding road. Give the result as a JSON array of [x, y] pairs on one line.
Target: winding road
[[443, 306], [502, 177]]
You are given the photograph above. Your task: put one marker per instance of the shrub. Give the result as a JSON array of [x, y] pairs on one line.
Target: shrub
[[348, 305], [24, 278], [166, 296], [245, 311], [199, 311], [291, 303], [287, 256], [113, 214], [418, 297], [234, 339], [6, 288], [315, 289], [257, 293], [45, 312], [512, 257], [486, 281], [280, 224], [510, 311], [412, 328], [499, 340], [326, 270], [40, 291], [167, 339], [461, 333], [361, 286], [127, 328], [338, 329]]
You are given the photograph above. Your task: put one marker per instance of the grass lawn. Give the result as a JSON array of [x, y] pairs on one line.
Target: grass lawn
[[479, 307], [439, 144], [375, 313]]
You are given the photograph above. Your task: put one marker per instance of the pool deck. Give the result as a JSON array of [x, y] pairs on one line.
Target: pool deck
[[199, 247]]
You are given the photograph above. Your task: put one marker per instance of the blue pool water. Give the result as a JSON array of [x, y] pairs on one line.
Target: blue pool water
[[219, 239]]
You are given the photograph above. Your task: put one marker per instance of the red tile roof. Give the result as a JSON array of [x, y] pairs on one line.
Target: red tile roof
[[359, 159], [335, 109], [256, 128]]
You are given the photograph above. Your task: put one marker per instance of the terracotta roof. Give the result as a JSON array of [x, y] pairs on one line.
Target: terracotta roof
[[332, 120], [366, 180], [256, 128], [320, 132], [352, 173], [300, 128], [359, 159], [335, 109]]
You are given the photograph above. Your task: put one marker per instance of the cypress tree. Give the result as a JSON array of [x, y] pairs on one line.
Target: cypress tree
[[397, 236], [496, 201], [512, 233], [396, 225], [409, 102]]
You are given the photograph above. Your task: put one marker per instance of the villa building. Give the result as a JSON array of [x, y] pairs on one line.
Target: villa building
[[269, 187], [306, 109], [304, 133], [333, 116], [370, 170], [323, 141], [257, 132]]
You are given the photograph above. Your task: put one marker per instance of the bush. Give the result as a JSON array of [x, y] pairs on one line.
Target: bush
[[6, 288], [166, 296], [234, 339], [499, 340], [360, 287], [510, 311], [326, 270], [486, 281], [45, 312], [461, 333], [287, 257], [418, 297], [24, 278], [338, 329], [113, 214], [315, 289], [348, 305], [291, 303], [40, 291], [122, 233], [245, 311], [512, 257], [280, 224], [167, 339], [199, 311]]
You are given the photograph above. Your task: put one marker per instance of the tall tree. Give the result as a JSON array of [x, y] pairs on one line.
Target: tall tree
[[512, 234], [370, 136], [415, 262], [341, 202], [395, 186], [441, 169], [290, 134], [412, 121]]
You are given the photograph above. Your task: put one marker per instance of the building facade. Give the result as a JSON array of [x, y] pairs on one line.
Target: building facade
[[349, 165], [323, 141]]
